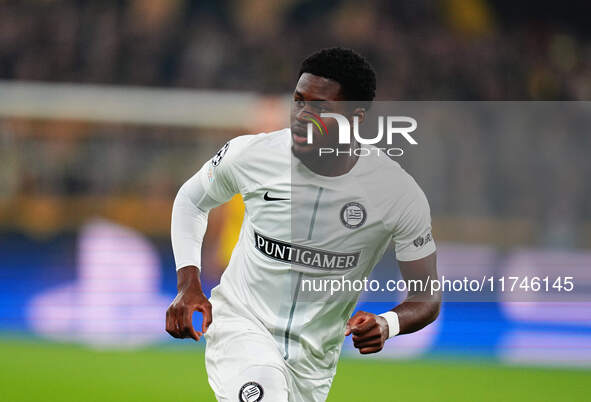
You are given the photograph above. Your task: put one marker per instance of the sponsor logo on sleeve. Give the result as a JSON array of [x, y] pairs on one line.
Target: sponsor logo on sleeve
[[422, 240]]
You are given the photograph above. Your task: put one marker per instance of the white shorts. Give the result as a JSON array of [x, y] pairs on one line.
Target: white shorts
[[244, 364]]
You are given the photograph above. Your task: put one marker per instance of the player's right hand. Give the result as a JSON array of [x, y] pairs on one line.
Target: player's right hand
[[190, 298]]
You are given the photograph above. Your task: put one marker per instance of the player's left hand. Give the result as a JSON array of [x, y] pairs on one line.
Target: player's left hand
[[370, 331]]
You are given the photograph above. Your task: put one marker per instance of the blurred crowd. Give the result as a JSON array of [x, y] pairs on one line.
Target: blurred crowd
[[422, 50]]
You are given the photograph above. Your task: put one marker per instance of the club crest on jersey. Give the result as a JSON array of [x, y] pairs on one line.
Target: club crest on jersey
[[220, 154], [251, 392], [353, 215]]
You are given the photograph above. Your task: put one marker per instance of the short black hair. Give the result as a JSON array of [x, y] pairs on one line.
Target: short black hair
[[347, 67]]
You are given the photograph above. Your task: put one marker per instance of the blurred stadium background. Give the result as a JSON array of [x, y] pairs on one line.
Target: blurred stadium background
[[106, 108]]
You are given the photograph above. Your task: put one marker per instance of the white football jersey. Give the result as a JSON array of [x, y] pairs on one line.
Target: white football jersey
[[299, 225]]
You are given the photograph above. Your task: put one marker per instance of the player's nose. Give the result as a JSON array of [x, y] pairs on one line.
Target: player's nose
[[301, 114]]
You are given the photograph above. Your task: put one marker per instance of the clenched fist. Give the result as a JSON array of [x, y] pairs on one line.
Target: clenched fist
[[369, 331]]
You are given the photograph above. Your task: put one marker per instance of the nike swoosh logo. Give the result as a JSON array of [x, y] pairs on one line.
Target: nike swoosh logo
[[267, 198]]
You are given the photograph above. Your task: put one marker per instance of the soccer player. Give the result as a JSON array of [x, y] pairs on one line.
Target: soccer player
[[307, 217]]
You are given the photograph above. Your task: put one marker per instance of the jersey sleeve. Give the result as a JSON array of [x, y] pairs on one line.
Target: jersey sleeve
[[223, 180], [412, 233], [214, 184]]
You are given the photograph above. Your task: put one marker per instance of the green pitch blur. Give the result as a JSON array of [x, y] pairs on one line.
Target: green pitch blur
[[35, 371]]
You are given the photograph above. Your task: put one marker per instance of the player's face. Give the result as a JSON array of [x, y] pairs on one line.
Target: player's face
[[314, 95]]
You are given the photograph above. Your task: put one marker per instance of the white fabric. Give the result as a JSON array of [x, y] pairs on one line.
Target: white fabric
[[393, 323], [307, 329], [189, 220], [238, 353]]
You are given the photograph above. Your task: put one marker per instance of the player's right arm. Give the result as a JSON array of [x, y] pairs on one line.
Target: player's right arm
[[190, 298], [214, 184]]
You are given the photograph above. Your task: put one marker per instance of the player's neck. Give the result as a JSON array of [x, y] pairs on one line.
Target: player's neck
[[332, 165]]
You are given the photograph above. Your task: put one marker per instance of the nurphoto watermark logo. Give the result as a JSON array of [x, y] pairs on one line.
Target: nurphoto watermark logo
[[388, 127]]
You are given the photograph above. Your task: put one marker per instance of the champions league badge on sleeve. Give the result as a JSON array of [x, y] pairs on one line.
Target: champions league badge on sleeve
[[220, 154], [217, 158]]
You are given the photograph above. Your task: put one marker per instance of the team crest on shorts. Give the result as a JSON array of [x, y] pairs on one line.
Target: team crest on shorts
[[220, 154], [251, 392], [353, 215]]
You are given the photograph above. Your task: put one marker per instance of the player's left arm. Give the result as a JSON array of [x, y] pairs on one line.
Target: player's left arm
[[421, 306], [417, 260], [419, 309]]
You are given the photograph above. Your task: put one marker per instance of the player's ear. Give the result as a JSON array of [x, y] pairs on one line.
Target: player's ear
[[360, 112]]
